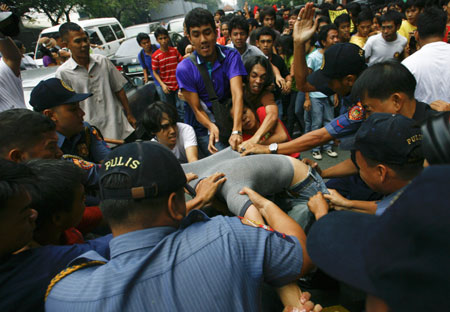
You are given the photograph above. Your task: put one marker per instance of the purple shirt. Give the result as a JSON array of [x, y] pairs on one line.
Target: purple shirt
[[47, 60], [227, 66]]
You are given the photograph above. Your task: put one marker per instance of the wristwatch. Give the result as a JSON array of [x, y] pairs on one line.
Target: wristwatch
[[236, 132], [273, 148]]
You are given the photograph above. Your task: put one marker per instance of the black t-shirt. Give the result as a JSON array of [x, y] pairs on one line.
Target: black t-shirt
[[278, 62], [423, 112]]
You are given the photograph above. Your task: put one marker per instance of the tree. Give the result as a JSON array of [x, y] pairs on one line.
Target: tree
[[54, 9]]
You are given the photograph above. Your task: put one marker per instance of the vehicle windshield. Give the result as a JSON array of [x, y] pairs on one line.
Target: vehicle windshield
[[133, 32], [176, 26]]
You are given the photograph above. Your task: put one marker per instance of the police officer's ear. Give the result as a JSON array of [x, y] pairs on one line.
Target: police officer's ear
[[176, 206], [398, 100], [16, 155], [50, 113]]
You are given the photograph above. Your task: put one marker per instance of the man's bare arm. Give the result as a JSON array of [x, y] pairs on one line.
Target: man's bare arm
[[237, 96], [343, 169], [122, 96], [10, 54]]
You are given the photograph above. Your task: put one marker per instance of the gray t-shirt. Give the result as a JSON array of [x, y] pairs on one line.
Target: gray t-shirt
[[378, 50]]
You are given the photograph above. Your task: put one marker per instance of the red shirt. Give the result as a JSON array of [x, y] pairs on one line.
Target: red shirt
[[166, 63], [261, 111]]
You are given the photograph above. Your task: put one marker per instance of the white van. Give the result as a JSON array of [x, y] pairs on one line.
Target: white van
[[106, 33]]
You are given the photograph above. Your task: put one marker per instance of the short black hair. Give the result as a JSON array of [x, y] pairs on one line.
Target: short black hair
[[287, 44], [264, 62], [391, 6], [267, 11], [58, 180], [323, 33], [391, 16], [142, 36], [432, 22], [238, 22], [364, 15], [354, 8], [252, 22], [22, 128], [15, 179], [266, 31], [65, 28], [414, 3], [343, 18], [161, 31], [294, 12], [220, 12], [324, 19], [118, 211], [199, 17], [383, 79], [153, 114]]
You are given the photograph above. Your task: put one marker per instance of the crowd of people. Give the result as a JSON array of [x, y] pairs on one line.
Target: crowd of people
[[207, 202]]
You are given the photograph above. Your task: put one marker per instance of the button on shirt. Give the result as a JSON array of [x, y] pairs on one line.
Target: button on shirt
[[207, 264], [103, 109], [227, 66], [95, 151]]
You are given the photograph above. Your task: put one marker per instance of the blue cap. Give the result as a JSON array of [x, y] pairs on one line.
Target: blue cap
[[152, 168], [54, 92], [401, 256]]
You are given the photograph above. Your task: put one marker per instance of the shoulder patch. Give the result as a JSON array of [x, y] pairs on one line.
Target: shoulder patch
[[255, 224], [69, 271], [82, 163], [95, 134], [356, 113]]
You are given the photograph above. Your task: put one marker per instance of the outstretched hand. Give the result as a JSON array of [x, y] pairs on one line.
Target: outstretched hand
[[305, 26], [207, 188]]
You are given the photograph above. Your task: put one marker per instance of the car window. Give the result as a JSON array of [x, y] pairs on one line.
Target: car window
[[118, 30], [132, 32], [107, 33], [93, 37], [154, 26], [176, 26]]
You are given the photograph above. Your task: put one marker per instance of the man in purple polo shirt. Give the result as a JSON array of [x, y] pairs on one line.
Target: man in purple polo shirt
[[225, 69]]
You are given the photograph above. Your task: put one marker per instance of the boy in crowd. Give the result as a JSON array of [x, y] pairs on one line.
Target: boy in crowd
[[239, 30], [342, 23], [363, 26], [412, 10], [145, 59], [226, 71], [164, 64], [54, 99], [319, 108], [160, 120], [265, 40], [430, 64], [388, 45]]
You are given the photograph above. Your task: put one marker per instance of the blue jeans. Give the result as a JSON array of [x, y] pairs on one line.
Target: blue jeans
[[203, 141], [279, 103], [321, 113], [299, 110], [161, 94], [295, 201], [172, 99]]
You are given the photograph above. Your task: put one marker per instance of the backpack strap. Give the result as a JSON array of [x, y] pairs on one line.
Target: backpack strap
[[206, 79]]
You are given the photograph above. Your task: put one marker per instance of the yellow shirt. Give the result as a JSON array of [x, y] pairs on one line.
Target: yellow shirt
[[359, 41], [407, 30]]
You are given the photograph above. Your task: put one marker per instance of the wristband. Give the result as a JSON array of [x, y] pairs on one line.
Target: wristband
[[236, 132]]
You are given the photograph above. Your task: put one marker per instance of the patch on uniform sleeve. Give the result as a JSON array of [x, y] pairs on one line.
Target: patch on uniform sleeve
[[255, 224], [83, 150], [95, 134], [82, 163], [356, 113]]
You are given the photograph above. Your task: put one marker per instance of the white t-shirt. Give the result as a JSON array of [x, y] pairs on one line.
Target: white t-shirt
[[11, 91], [186, 138], [378, 50], [431, 68]]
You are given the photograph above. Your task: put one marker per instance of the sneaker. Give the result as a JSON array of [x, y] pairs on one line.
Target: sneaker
[[332, 153], [317, 155]]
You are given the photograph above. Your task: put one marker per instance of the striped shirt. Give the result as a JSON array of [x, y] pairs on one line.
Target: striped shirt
[[216, 264], [166, 63]]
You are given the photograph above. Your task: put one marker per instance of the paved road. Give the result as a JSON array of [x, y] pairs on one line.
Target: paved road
[[327, 161]]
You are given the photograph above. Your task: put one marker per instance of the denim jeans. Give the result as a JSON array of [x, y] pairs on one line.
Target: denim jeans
[[203, 141], [294, 201], [172, 99], [161, 94], [299, 110], [279, 103], [321, 113]]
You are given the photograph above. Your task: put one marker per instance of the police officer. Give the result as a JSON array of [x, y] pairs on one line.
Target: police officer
[[165, 257], [59, 102]]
